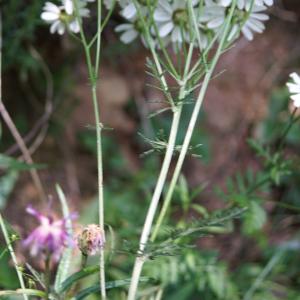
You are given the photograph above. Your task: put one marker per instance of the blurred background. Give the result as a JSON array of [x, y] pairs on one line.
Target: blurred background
[[45, 89]]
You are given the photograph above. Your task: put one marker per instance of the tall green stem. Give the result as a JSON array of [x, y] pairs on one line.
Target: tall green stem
[[93, 76], [153, 205]]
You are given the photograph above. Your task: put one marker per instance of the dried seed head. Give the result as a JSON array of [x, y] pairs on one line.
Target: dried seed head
[[91, 239]]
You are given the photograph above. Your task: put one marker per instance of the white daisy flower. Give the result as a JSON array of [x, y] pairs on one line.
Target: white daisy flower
[[172, 20], [294, 89], [62, 17], [254, 22]]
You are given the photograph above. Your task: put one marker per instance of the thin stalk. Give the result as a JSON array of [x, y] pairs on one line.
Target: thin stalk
[[192, 124], [153, 205], [16, 135], [13, 255], [100, 188], [160, 184], [93, 75]]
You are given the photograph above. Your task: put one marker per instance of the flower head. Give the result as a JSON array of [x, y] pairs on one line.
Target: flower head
[[63, 17], [254, 22], [294, 89], [49, 237], [91, 239], [173, 20]]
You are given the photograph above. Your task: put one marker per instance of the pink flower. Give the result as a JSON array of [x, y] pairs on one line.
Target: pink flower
[[49, 237]]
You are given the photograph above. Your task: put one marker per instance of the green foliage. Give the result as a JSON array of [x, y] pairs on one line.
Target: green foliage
[[275, 164], [255, 218], [20, 22]]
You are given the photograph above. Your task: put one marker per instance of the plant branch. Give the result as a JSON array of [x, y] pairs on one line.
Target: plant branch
[[192, 124]]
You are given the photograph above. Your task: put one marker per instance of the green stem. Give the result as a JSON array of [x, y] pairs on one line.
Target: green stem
[[13, 255], [153, 205], [93, 75], [159, 185], [191, 126]]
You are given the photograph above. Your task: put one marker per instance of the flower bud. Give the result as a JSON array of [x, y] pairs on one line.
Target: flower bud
[[91, 240]]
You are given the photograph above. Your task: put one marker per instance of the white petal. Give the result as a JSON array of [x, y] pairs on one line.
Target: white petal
[[162, 16], [293, 88], [68, 4], [164, 5], [241, 4], [74, 26], [225, 2], [255, 25], [261, 17], [123, 27], [50, 7], [128, 36], [57, 26], [295, 77], [269, 2], [258, 8], [129, 11], [176, 35], [49, 16], [215, 23], [247, 33], [54, 26], [296, 99], [165, 29]]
